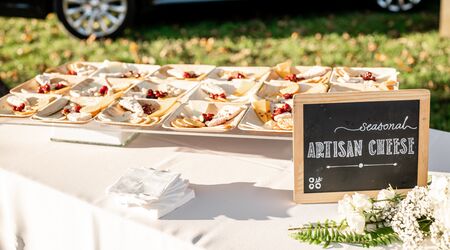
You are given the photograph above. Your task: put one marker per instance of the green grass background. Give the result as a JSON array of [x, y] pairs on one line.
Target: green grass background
[[409, 42]]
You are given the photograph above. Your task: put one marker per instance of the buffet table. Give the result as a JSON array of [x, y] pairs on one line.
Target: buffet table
[[52, 195]]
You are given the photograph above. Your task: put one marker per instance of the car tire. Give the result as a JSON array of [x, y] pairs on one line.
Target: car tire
[[95, 17], [398, 5]]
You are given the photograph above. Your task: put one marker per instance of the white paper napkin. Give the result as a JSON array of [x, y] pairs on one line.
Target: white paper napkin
[[159, 192], [146, 182]]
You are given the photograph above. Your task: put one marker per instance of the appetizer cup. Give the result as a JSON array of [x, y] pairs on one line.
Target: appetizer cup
[[125, 112], [125, 70], [301, 74], [189, 72], [84, 69], [234, 91], [268, 116], [151, 90], [20, 106], [363, 79], [99, 87], [229, 73], [69, 110], [47, 84], [284, 90], [195, 115]]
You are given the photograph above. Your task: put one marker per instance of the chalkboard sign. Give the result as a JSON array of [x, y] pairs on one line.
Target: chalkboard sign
[[359, 142]]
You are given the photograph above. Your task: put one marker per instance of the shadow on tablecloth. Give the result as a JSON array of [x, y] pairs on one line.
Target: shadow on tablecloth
[[239, 201], [273, 149]]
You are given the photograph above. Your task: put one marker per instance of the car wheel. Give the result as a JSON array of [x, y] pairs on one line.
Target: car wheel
[[398, 5], [102, 18]]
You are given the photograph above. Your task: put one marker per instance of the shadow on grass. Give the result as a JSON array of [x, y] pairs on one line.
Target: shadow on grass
[[280, 19]]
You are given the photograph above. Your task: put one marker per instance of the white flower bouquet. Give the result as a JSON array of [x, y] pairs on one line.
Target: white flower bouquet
[[391, 217]]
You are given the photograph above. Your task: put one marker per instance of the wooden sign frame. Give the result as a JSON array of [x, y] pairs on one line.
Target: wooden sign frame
[[421, 95]]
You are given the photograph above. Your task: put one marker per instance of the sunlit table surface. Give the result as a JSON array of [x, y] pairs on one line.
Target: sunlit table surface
[[52, 195]]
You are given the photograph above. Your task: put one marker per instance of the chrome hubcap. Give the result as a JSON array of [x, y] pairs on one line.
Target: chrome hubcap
[[99, 17], [397, 5]]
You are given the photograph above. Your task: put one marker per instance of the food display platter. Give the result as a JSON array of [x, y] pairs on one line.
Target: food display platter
[[192, 100], [235, 133]]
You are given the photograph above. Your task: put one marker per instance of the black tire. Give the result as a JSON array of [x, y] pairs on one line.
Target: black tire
[[395, 8], [128, 20]]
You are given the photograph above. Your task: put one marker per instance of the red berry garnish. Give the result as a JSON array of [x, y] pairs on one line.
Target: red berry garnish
[[368, 76], [43, 89], [77, 108], [217, 96], [47, 88], [160, 94], [278, 111], [151, 94], [59, 86], [189, 75], [65, 111], [292, 78], [288, 96], [71, 72], [148, 109], [237, 76], [207, 117], [103, 90], [19, 108]]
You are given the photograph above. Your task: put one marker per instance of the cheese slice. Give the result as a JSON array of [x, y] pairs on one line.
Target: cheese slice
[[290, 89], [103, 103], [283, 69], [164, 107], [262, 110], [243, 87]]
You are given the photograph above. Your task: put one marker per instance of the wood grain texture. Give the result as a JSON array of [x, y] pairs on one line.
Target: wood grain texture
[[298, 147], [444, 22]]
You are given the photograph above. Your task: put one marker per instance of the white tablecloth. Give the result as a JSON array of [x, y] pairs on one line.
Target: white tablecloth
[[52, 195]]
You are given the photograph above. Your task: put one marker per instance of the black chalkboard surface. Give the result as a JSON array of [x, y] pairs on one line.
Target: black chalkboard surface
[[359, 141], [360, 146]]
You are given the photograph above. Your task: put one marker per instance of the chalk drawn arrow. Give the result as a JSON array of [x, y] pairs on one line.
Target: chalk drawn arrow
[[362, 165]]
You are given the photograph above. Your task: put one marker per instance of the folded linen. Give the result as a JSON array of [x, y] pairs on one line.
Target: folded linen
[[159, 192]]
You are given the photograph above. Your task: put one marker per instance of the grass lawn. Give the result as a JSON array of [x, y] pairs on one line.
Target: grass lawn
[[408, 42]]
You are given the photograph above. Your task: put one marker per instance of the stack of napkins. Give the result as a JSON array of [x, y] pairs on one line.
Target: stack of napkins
[[160, 192]]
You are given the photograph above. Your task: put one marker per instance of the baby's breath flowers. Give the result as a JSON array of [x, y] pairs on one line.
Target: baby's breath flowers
[[391, 217], [439, 194], [413, 218]]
